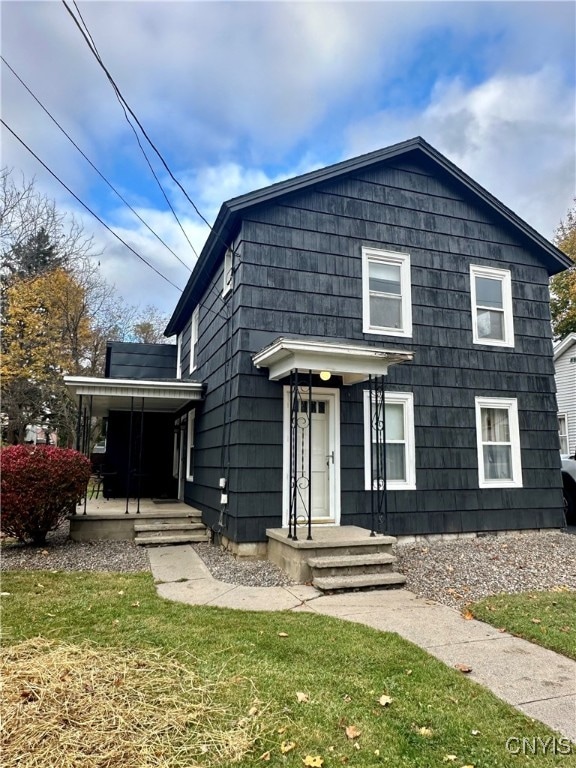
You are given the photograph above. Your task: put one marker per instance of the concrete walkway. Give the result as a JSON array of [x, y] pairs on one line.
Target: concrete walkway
[[540, 683]]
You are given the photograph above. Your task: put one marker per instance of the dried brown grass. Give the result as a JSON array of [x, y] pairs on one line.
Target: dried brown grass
[[80, 705]]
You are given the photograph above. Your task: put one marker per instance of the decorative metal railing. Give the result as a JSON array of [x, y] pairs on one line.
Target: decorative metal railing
[[300, 469], [378, 500]]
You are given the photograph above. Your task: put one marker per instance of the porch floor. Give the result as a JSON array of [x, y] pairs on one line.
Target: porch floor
[[324, 536], [117, 507]]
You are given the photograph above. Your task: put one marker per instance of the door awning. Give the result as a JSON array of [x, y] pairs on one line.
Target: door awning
[[121, 394], [353, 362]]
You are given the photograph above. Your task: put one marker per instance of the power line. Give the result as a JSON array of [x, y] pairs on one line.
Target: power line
[[59, 180], [125, 108], [17, 76]]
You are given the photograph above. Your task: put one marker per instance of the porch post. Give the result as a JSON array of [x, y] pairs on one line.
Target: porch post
[[371, 395], [309, 537], [129, 470], [293, 448], [79, 424], [139, 487], [383, 488]]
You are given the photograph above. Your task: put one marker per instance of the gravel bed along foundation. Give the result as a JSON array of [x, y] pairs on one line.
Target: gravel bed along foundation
[[453, 572]]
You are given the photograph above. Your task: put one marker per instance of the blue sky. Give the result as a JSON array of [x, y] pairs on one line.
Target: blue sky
[[237, 95]]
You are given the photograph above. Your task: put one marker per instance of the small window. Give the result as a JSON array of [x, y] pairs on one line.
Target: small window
[[387, 307], [498, 441], [563, 433], [228, 273], [389, 441], [491, 295], [190, 446], [194, 339], [179, 356]]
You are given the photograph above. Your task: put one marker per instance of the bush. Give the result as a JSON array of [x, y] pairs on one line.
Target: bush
[[40, 485]]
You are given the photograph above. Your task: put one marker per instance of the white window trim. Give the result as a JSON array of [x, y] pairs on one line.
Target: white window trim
[[374, 255], [392, 398], [511, 405], [194, 339], [564, 435], [505, 277], [179, 356], [227, 285], [190, 444]]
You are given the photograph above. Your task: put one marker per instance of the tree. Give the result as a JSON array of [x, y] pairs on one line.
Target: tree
[[563, 286]]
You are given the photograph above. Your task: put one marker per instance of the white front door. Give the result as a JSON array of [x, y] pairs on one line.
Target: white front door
[[317, 482]]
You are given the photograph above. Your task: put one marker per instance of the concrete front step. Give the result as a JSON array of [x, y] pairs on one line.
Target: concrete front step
[[359, 581], [168, 526], [345, 561], [166, 538]]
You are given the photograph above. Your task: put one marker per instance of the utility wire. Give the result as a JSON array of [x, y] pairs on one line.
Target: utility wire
[[43, 164], [126, 203], [89, 41]]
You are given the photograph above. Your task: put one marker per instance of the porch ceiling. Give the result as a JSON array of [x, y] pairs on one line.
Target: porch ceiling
[[123, 394], [353, 362]]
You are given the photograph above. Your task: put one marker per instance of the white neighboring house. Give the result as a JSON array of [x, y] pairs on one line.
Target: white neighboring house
[[565, 373]]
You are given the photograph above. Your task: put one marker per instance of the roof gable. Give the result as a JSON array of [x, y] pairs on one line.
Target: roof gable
[[230, 215]]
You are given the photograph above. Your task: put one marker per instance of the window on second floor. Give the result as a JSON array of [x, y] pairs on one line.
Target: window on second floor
[[194, 339], [228, 273], [389, 441], [491, 295], [563, 433], [386, 293], [498, 441]]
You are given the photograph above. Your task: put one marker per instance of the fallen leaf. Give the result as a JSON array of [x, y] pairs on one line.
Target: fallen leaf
[[449, 758], [463, 668], [384, 700], [265, 756], [282, 634], [282, 729], [116, 621], [475, 733], [467, 766], [424, 731], [40, 585], [377, 752], [408, 671], [352, 732], [313, 761], [45, 552], [136, 604], [466, 614], [347, 698], [51, 615], [121, 592], [253, 711], [5, 594], [356, 745], [536, 621], [287, 746], [302, 697]]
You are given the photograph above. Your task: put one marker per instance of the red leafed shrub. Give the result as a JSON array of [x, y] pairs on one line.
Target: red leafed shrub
[[40, 485]]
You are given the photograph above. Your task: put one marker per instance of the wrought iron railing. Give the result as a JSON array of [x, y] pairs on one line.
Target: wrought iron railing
[[378, 480], [300, 462]]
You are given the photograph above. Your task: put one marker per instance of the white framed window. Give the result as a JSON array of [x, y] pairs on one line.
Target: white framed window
[[179, 356], [228, 276], [491, 297], [563, 433], [390, 431], [498, 441], [190, 446], [194, 339], [386, 293]]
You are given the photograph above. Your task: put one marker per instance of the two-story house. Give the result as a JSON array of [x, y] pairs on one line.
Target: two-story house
[[389, 279]]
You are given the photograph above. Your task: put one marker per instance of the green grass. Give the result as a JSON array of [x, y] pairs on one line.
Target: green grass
[[545, 618], [343, 667]]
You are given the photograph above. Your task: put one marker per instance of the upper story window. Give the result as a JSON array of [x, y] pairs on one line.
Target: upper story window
[[179, 356], [194, 339], [389, 441], [386, 293], [491, 295], [228, 273], [498, 442]]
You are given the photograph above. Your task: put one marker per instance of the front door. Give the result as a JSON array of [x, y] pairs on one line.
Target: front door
[[316, 473]]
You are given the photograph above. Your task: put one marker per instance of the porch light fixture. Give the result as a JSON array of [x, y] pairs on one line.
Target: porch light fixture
[[325, 375]]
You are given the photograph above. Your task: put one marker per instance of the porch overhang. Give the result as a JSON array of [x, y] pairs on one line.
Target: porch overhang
[[108, 395], [353, 362]]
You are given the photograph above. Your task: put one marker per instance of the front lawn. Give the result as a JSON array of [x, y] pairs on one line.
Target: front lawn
[[300, 689], [545, 618]]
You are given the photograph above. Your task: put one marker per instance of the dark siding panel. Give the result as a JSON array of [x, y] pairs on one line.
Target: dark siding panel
[[141, 361]]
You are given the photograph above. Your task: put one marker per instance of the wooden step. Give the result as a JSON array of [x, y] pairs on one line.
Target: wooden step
[[359, 581]]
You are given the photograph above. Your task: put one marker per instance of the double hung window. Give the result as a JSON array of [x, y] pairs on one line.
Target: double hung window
[[386, 290], [389, 441], [491, 294], [498, 442], [563, 433]]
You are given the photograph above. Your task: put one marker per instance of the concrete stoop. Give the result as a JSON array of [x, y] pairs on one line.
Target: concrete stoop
[[336, 558], [177, 529]]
